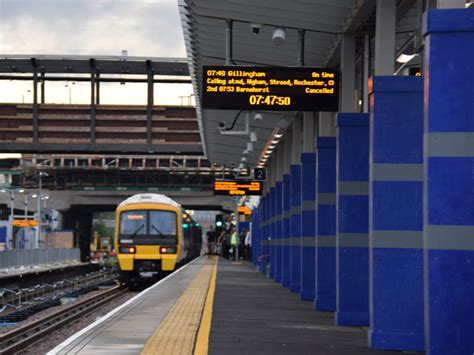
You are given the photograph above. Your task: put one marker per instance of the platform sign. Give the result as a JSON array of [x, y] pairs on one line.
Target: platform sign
[[260, 174], [237, 187], [270, 88], [244, 210], [25, 223]]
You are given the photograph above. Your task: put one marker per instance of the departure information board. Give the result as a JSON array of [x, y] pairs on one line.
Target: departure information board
[[270, 88], [237, 187]]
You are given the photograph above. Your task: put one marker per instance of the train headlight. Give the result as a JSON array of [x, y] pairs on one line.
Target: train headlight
[[168, 250], [127, 250]]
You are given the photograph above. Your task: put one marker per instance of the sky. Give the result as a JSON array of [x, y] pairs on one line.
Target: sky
[[146, 28]]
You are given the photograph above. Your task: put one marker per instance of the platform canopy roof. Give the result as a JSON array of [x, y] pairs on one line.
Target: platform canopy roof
[[324, 22], [82, 64]]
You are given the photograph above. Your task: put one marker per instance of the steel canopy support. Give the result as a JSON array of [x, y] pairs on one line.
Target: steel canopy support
[[300, 59], [35, 101], [228, 42], [297, 128], [93, 101], [43, 87], [348, 72], [385, 22], [97, 80], [365, 74], [149, 107]]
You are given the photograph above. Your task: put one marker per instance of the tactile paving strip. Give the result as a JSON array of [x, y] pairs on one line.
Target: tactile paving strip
[[177, 333]]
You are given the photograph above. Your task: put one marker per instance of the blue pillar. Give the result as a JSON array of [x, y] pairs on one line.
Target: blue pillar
[[285, 264], [449, 182], [279, 229], [395, 213], [255, 235], [295, 229], [352, 228], [308, 225], [272, 231], [325, 294], [264, 237]]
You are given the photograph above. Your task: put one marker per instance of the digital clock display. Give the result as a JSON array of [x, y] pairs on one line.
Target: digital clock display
[[270, 88]]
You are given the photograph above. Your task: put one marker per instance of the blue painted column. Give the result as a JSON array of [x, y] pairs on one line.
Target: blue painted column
[[279, 229], [285, 264], [256, 235], [352, 228], [264, 237], [295, 229], [395, 213], [308, 225], [272, 231], [449, 182], [325, 286]]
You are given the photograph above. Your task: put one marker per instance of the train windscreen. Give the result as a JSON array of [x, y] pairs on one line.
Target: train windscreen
[[148, 227]]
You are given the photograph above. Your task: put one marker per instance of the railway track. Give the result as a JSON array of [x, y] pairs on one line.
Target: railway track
[[28, 334]]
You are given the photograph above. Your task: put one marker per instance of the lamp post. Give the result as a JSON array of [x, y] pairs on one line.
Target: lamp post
[[38, 208]]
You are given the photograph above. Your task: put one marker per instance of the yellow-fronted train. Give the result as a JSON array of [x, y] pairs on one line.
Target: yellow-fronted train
[[153, 236]]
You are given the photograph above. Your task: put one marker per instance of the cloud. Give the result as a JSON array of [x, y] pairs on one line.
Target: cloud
[[148, 28], [96, 27]]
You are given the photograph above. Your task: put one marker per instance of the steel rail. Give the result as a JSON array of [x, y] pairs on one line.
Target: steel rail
[[28, 334]]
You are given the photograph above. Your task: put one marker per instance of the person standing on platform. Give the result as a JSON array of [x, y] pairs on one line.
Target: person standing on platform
[[248, 246], [224, 241], [233, 243], [211, 241], [241, 247]]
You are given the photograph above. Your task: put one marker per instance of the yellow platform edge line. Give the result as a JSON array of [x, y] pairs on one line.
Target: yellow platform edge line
[[177, 332], [202, 340]]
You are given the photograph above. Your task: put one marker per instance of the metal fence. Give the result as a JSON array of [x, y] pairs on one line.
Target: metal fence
[[15, 258]]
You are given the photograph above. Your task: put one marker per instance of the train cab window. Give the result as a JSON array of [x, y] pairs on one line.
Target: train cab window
[[162, 223], [133, 223]]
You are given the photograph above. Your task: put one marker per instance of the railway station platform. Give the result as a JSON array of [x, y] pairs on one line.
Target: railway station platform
[[215, 306]]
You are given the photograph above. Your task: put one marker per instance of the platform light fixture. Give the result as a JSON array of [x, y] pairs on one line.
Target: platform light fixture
[[405, 58], [279, 35], [253, 137]]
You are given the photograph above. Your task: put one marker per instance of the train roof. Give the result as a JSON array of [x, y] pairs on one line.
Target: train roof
[[149, 198]]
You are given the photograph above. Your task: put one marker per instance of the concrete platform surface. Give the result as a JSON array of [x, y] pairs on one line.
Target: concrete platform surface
[[255, 315]]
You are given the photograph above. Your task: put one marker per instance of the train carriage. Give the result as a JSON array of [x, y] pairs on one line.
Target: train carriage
[[154, 235]]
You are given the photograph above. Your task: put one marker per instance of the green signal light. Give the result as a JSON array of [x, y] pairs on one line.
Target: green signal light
[[218, 224], [185, 225]]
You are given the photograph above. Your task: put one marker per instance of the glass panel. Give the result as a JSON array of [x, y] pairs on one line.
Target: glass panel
[[162, 223], [133, 223]]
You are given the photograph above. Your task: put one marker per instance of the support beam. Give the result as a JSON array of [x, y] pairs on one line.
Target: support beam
[[285, 263], [325, 284], [149, 105], [448, 196], [228, 42], [288, 144], [366, 74], [395, 213], [308, 209], [327, 124], [348, 72], [43, 87], [296, 131], [97, 79], [35, 102], [385, 37], [308, 132], [352, 219], [92, 103]]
